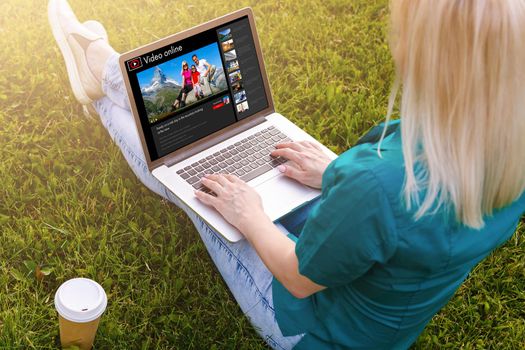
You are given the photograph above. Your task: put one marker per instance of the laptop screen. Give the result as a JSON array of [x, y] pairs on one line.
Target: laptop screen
[[194, 87]]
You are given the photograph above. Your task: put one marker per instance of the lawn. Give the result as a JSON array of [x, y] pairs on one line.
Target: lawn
[[70, 206]]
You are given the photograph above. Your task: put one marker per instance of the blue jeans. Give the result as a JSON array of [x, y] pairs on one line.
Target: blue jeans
[[241, 268]]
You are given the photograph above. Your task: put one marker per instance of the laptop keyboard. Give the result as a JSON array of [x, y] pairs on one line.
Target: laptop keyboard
[[247, 159]]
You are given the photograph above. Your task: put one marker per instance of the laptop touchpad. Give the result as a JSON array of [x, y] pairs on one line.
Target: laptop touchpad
[[282, 194]]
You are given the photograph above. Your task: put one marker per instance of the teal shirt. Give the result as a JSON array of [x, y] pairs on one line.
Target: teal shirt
[[386, 274]]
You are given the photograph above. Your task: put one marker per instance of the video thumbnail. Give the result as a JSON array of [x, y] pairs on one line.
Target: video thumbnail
[[225, 34], [238, 86], [232, 65], [235, 76], [240, 96], [227, 45], [230, 55], [174, 85], [242, 107]]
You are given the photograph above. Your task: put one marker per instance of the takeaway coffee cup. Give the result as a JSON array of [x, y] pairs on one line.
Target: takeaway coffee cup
[[80, 303]]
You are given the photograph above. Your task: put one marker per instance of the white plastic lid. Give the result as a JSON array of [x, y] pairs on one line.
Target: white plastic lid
[[80, 300]]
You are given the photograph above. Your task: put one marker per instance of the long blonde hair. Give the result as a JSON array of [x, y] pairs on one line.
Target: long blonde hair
[[461, 64]]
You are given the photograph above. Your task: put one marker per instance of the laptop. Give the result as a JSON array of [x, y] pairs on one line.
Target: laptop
[[202, 104]]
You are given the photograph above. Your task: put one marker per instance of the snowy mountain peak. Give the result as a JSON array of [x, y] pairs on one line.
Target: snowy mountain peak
[[158, 82], [158, 76]]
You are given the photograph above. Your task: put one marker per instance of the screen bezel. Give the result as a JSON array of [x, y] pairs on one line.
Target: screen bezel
[[211, 139]]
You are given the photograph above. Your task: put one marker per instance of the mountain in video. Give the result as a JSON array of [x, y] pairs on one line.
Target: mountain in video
[[159, 94], [158, 82]]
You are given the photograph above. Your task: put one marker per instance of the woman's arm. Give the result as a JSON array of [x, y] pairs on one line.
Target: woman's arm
[[278, 254], [240, 205]]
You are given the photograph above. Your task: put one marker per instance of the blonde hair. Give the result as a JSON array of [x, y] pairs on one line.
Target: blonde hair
[[462, 67]]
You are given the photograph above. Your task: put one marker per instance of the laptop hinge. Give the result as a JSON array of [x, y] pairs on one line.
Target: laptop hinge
[[223, 135]]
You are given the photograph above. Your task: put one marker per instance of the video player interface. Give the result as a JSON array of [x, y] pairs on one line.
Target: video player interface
[[197, 86]]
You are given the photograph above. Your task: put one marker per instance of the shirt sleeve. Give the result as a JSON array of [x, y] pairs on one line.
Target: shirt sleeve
[[350, 229]]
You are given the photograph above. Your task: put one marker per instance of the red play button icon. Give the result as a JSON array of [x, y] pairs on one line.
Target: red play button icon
[[134, 63]]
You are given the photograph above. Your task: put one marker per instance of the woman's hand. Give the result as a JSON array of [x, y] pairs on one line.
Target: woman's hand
[[236, 201], [307, 162]]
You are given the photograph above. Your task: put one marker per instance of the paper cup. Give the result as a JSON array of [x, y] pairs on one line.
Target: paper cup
[[79, 302]]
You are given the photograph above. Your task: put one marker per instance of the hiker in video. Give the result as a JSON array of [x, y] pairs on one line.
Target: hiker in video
[[187, 86], [195, 79], [206, 71]]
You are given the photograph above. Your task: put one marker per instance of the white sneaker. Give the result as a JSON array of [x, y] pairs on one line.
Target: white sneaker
[[73, 38], [96, 27]]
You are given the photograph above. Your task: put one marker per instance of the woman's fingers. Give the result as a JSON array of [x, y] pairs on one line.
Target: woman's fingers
[[301, 147], [232, 178], [212, 184], [220, 178], [288, 154], [293, 145], [291, 171], [206, 198]]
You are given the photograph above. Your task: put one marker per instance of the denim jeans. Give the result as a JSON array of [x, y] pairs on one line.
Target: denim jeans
[[241, 268]]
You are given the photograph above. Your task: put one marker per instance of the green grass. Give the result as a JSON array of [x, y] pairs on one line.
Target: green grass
[[70, 204]]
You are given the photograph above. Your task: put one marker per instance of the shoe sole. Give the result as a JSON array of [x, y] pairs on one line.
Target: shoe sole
[[69, 58]]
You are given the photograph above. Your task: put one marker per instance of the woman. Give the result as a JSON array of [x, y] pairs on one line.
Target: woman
[[195, 80], [403, 217], [187, 86]]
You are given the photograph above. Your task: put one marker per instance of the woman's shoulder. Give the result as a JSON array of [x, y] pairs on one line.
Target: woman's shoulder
[[385, 165], [361, 168]]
